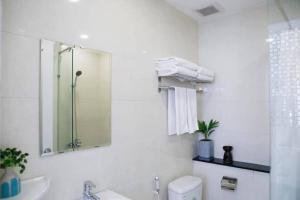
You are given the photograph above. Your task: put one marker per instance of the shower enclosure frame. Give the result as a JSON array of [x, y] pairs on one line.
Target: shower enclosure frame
[[75, 141]]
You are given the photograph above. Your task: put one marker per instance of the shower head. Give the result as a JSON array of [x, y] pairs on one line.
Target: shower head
[[78, 73]]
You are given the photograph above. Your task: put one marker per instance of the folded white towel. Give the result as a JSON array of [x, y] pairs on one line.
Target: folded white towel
[[206, 72], [204, 78], [179, 62], [200, 70], [177, 71], [192, 110]]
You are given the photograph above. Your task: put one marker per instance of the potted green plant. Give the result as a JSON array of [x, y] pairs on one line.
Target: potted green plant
[[206, 146], [10, 159]]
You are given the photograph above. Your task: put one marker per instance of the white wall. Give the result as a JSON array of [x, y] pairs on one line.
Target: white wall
[[136, 32], [235, 48]]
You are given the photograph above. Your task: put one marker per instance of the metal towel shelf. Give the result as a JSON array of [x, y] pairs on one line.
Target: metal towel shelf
[[171, 82]]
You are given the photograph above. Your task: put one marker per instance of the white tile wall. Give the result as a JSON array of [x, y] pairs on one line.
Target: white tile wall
[[235, 48], [136, 32]]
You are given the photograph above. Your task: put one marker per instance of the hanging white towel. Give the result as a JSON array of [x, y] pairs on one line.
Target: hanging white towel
[[192, 110], [181, 110], [171, 112]]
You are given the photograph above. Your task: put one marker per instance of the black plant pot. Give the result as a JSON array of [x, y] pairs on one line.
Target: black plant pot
[[227, 159]]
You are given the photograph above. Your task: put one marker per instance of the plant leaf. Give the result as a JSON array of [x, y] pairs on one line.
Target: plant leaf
[[207, 129], [12, 157]]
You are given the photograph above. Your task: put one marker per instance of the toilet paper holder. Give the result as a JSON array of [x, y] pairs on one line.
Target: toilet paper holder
[[229, 183]]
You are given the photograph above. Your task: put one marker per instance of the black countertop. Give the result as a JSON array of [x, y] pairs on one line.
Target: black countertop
[[237, 164]]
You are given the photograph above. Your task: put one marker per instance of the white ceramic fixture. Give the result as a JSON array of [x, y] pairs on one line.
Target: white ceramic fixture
[[185, 188], [33, 189]]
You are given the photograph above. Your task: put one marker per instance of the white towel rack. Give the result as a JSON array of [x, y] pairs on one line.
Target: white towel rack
[[166, 82]]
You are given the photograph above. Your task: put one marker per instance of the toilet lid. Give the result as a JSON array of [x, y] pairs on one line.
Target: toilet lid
[[185, 184]]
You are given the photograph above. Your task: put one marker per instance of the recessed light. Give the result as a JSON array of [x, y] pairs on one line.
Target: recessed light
[[84, 36], [269, 40], [74, 1]]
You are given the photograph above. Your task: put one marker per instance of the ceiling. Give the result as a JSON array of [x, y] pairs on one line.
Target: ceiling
[[227, 7]]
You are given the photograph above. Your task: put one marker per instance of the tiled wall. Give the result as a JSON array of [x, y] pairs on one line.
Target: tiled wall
[[235, 48], [136, 32]]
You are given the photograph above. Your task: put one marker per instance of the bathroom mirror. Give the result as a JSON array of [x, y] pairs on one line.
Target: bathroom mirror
[[75, 93]]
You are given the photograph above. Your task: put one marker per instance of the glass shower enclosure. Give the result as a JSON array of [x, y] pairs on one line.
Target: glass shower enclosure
[[284, 45], [65, 100]]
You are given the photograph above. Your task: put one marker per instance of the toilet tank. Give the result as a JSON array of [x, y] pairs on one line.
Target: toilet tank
[[185, 188]]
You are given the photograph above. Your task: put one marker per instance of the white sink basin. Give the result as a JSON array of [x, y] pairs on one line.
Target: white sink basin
[[110, 195], [33, 189]]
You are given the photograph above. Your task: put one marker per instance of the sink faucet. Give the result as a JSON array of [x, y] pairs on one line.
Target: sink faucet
[[87, 191]]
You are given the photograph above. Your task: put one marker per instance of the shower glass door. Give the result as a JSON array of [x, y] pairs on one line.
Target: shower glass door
[[284, 40], [64, 100]]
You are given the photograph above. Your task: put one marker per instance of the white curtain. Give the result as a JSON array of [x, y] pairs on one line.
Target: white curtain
[[285, 115]]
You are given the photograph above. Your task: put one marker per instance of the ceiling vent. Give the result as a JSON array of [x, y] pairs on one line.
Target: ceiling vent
[[209, 10]]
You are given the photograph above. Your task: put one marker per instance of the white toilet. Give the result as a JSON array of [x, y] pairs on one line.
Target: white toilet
[[185, 188]]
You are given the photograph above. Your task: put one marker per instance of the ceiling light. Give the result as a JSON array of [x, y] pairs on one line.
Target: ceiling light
[[269, 40], [74, 1], [144, 52], [84, 36]]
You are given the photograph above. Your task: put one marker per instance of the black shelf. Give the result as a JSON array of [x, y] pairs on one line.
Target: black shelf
[[237, 164]]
